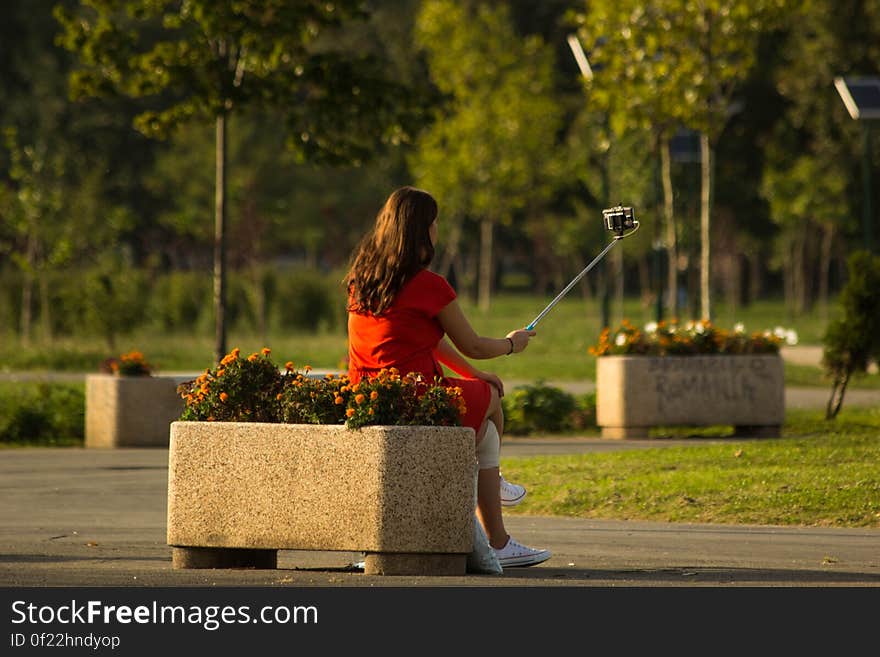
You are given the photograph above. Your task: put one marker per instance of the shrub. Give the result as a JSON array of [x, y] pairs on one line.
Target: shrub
[[538, 408], [42, 414], [670, 339], [853, 340], [307, 301], [389, 398], [112, 299], [180, 300], [254, 390], [131, 364], [237, 390], [307, 400]]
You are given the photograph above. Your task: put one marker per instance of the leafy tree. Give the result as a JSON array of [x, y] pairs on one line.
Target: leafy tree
[[640, 85], [196, 60], [491, 153], [853, 339], [821, 188], [680, 62]]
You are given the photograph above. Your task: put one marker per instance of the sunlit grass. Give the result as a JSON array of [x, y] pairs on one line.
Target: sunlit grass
[[818, 473]]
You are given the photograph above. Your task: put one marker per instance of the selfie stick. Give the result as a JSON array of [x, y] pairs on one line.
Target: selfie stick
[[618, 228]]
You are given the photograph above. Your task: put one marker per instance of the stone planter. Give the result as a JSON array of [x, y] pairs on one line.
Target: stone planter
[[131, 411], [238, 492], [635, 393]]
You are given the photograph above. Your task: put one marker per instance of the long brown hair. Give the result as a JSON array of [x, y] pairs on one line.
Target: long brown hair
[[395, 250]]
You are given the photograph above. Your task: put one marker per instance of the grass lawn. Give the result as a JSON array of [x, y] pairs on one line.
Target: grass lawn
[[818, 473], [558, 353]]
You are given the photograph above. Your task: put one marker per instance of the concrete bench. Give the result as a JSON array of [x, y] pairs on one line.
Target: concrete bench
[[131, 411], [239, 492], [636, 393]]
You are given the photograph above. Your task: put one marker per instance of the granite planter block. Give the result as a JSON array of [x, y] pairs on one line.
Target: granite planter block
[[131, 411], [403, 495], [635, 393]]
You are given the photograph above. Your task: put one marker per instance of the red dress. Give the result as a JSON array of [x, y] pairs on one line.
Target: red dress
[[406, 335]]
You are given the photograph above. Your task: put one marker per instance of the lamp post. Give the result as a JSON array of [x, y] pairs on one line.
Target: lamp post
[[861, 96]]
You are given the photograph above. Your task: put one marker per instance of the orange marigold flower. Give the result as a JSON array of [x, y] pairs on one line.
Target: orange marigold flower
[[252, 358], [265, 351], [289, 366], [359, 398], [338, 400], [223, 397], [369, 411], [349, 412], [374, 395], [279, 396], [308, 368]]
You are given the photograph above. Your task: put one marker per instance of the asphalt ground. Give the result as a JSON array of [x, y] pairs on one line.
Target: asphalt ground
[[84, 518]]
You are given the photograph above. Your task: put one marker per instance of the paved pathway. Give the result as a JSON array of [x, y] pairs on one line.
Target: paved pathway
[[77, 517]]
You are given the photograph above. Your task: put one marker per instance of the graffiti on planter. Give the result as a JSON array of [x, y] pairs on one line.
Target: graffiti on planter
[[695, 382]]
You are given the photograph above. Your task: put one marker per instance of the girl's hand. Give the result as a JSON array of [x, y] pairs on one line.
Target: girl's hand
[[492, 380], [520, 339]]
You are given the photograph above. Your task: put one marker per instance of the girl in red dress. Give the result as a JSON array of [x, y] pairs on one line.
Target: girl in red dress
[[402, 315]]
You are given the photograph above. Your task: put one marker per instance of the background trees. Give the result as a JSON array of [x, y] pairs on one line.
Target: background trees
[[479, 102], [199, 61]]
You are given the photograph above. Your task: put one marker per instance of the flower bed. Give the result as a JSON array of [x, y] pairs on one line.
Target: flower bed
[[665, 375]]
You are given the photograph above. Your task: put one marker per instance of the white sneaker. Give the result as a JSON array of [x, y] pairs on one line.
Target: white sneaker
[[511, 494], [516, 554]]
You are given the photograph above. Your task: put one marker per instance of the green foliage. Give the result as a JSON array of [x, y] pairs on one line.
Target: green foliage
[[853, 339], [392, 399], [42, 414], [113, 299], [310, 400], [237, 390], [670, 339], [253, 389], [132, 363], [179, 300], [306, 301], [200, 60], [538, 408]]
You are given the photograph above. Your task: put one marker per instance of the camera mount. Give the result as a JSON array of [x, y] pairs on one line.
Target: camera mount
[[618, 220]]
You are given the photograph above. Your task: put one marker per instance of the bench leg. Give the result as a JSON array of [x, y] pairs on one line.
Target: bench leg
[[202, 557], [623, 433], [757, 431], [412, 563]]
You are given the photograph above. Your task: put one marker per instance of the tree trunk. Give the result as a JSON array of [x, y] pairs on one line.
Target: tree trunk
[[45, 307], [835, 401], [27, 291], [220, 241], [706, 163], [798, 275], [825, 269], [671, 238], [485, 284], [450, 253]]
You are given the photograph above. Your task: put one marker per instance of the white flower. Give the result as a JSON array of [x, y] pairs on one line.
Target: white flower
[[620, 340], [791, 337], [701, 328], [739, 327], [779, 332], [651, 327]]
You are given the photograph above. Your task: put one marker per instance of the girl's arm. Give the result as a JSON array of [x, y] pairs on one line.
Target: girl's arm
[[463, 336], [449, 356]]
